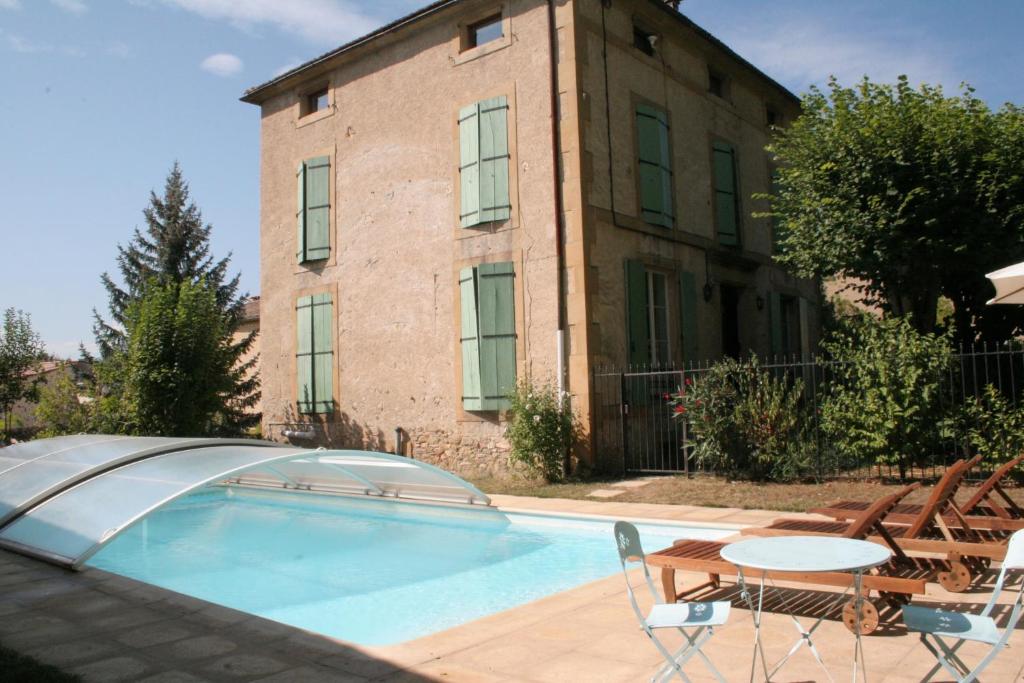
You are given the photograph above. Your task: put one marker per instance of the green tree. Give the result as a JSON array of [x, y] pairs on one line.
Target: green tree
[[911, 193], [173, 251], [179, 366], [61, 409], [884, 403], [21, 349]]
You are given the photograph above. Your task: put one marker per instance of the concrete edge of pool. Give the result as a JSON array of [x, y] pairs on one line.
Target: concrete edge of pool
[[107, 627]]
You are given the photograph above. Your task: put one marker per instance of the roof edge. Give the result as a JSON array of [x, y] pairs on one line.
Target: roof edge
[[257, 94]]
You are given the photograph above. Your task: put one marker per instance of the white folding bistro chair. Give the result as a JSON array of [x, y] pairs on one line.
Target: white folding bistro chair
[[695, 620], [936, 624]]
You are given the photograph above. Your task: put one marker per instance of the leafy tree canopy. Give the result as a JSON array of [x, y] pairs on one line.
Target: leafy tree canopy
[[179, 366], [911, 193], [21, 349]]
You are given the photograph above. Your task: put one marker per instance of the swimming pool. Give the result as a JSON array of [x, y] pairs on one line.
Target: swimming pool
[[372, 572]]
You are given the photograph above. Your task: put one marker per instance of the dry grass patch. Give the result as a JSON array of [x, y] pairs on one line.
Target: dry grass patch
[[708, 491]]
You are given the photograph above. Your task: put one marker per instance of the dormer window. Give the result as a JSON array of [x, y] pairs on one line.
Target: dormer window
[[644, 40], [483, 31]]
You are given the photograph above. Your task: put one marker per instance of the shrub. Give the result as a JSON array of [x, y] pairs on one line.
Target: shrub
[[745, 422], [541, 429], [883, 405], [992, 427]]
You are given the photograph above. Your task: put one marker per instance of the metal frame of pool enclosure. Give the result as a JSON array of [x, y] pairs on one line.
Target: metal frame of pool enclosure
[[63, 499]]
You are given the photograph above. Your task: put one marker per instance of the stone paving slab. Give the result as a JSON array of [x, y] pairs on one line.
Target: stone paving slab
[[110, 628]]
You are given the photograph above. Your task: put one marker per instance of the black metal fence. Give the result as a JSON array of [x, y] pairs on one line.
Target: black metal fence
[[635, 431]]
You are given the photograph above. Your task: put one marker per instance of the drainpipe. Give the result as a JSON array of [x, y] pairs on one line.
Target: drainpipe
[[557, 174], [556, 154]]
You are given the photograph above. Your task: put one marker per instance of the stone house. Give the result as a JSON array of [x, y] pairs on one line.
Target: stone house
[[489, 190]]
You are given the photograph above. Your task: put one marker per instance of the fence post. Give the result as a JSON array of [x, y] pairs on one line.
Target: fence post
[[623, 422]]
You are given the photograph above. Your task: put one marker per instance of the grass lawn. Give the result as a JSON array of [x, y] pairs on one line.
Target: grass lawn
[[15, 668], [708, 491]]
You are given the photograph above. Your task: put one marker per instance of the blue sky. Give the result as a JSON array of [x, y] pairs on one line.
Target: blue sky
[[102, 96]]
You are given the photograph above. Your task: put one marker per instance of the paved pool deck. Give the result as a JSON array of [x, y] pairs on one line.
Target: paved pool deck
[[109, 628]]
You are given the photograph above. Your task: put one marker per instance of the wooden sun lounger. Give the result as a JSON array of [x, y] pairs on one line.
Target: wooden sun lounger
[[997, 515], [965, 550], [705, 557]]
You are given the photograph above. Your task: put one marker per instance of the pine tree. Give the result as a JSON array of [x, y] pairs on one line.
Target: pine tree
[[174, 250]]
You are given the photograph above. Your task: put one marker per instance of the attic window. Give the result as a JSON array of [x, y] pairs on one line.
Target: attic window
[[771, 116], [644, 40], [483, 31], [716, 83], [315, 101]]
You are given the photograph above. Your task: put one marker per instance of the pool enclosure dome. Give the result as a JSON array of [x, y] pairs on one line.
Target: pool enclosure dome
[[63, 499]]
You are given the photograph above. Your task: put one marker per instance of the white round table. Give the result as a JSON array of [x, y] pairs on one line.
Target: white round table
[[803, 555]]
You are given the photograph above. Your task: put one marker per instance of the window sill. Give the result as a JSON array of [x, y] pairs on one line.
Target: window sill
[[315, 116], [481, 51]]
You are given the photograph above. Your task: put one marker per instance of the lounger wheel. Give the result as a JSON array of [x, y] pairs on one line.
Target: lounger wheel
[[868, 616], [957, 579]]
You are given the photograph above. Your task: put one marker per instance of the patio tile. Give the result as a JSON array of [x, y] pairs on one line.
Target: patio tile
[[311, 674], [112, 670], [246, 666], [154, 634], [605, 493], [173, 676], [201, 647], [63, 654], [577, 666]]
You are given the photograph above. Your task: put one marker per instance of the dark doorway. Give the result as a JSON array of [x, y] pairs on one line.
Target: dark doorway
[[731, 321]]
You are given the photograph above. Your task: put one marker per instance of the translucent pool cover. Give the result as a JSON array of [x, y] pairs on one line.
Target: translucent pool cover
[[62, 499]]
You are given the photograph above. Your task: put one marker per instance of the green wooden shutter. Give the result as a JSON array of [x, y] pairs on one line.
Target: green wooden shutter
[[484, 162], [655, 161], [300, 212], [469, 341], [494, 202], [688, 315], [636, 314], [775, 223], [726, 204], [304, 354], [776, 322], [497, 325], [469, 165], [318, 208], [323, 353]]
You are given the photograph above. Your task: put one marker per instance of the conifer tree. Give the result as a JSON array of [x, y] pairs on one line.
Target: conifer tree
[[172, 251]]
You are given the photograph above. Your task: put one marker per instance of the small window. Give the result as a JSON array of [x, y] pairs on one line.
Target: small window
[[771, 116], [483, 31], [317, 101], [314, 101], [716, 83], [644, 40]]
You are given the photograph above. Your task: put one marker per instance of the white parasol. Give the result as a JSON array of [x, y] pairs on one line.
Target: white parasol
[[1009, 284]]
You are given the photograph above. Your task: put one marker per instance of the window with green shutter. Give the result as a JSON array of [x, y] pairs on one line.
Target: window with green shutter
[[314, 356], [688, 315], [313, 211], [727, 212], [637, 324], [483, 162], [655, 161], [488, 335]]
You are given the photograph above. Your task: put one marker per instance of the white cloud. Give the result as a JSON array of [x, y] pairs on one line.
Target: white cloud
[[804, 52], [330, 22], [10, 4], [25, 46], [118, 49], [73, 6], [222, 64]]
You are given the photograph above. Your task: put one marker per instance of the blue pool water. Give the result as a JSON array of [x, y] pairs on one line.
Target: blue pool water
[[371, 572]]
